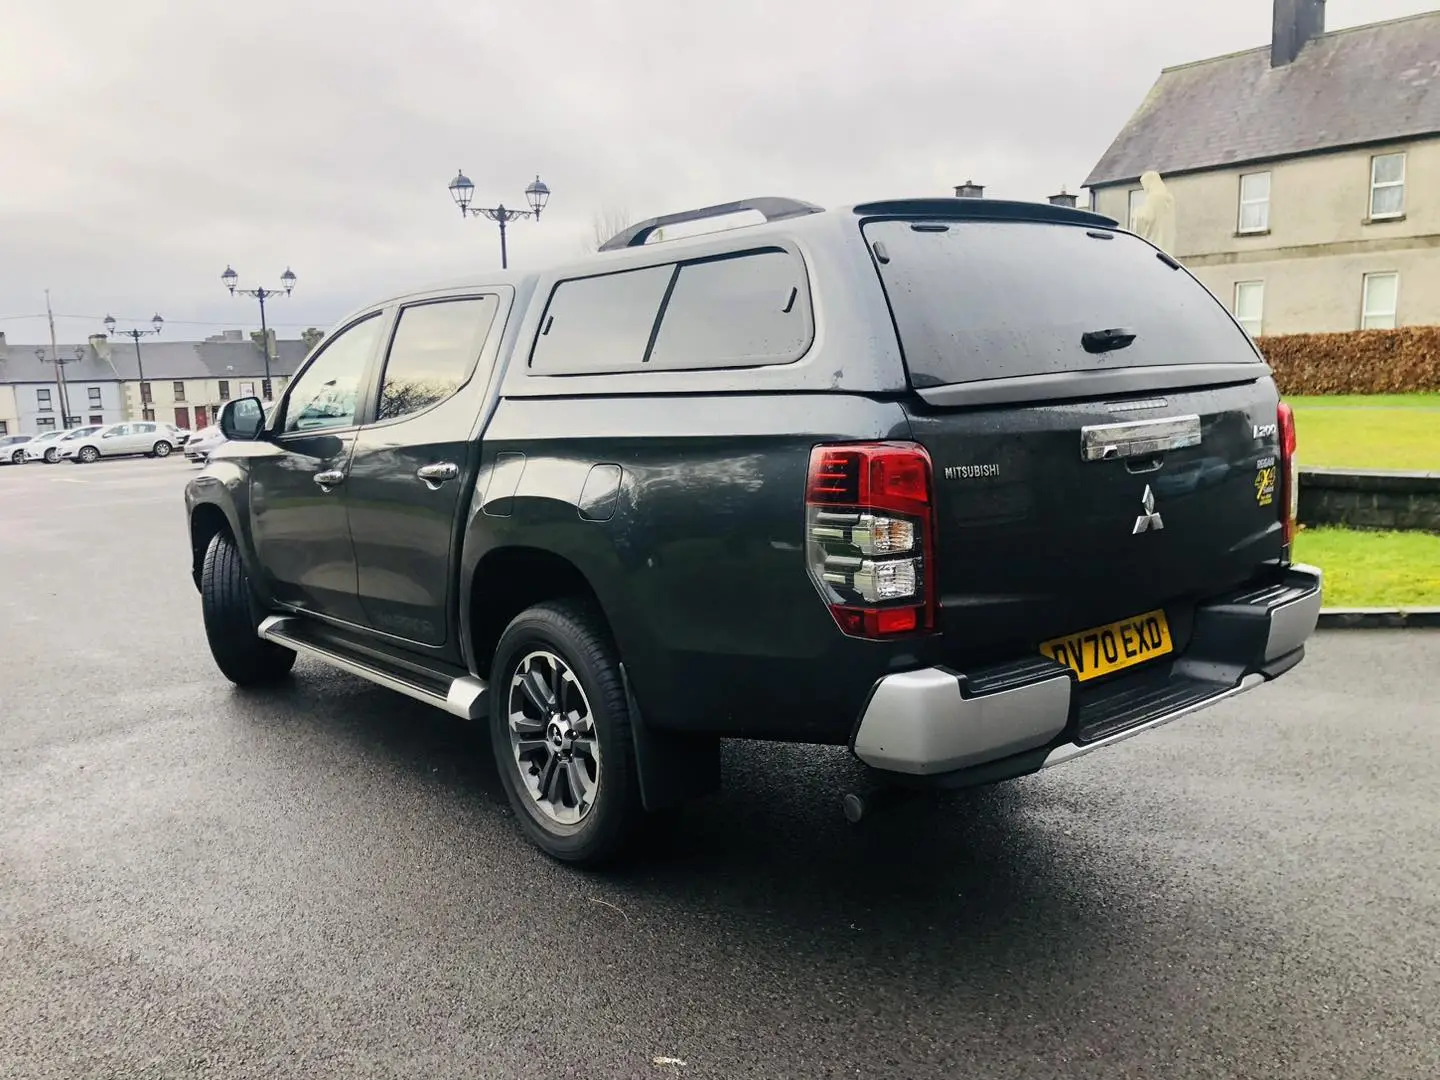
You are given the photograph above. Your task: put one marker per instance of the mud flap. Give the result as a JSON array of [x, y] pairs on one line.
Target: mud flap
[[673, 769]]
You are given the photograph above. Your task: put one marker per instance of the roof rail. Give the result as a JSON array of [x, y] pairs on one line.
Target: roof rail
[[773, 208], [984, 210]]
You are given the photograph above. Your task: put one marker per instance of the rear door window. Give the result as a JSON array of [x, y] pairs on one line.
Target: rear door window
[[433, 353], [995, 300]]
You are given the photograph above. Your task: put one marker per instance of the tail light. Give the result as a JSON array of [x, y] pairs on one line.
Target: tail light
[[1289, 488], [869, 532]]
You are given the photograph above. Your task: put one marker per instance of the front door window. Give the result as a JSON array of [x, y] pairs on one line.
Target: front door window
[[327, 393]]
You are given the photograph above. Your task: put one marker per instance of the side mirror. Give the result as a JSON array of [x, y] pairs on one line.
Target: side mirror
[[242, 419]]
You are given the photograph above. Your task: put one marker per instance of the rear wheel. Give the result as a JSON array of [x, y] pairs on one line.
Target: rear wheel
[[232, 617], [88, 454], [560, 727], [162, 449], [51, 456]]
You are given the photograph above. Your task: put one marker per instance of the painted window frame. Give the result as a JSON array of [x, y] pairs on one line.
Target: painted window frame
[[1246, 203], [1366, 314]]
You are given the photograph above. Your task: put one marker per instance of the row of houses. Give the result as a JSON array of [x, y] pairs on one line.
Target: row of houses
[[104, 381], [1305, 173]]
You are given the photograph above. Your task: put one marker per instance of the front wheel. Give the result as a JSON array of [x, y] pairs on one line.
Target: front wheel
[[231, 620], [52, 456], [560, 728], [162, 449], [18, 457], [88, 455]]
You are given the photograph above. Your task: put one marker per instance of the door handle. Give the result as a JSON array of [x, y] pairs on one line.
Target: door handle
[[435, 475], [329, 478]]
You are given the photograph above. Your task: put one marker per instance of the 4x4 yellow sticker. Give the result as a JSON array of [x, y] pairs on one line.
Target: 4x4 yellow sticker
[[1265, 481]]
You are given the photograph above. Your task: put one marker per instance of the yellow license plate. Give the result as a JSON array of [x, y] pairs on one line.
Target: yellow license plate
[[1106, 649]]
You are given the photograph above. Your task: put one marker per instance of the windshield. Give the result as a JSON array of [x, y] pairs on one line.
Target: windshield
[[999, 299], [79, 433]]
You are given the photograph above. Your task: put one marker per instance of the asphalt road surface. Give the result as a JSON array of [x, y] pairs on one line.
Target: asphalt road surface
[[325, 881]]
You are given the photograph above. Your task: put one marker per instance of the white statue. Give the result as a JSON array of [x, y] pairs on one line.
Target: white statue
[[1155, 220]]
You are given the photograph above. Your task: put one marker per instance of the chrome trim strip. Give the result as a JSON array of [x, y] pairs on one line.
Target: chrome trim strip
[[467, 697], [1136, 438], [1071, 751]]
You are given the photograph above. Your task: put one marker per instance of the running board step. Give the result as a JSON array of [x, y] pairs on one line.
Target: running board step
[[464, 697]]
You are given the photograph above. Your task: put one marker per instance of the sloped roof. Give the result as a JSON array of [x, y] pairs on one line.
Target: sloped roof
[[164, 360], [1366, 84]]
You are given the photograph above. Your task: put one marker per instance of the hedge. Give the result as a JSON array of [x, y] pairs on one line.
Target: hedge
[[1399, 361]]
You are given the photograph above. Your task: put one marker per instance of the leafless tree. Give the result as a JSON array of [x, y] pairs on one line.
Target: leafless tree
[[605, 223]]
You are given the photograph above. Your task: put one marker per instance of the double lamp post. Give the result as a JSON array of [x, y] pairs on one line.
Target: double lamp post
[[156, 325], [463, 191], [230, 280]]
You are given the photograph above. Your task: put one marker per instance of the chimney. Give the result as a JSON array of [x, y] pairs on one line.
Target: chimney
[[101, 344], [970, 190], [1063, 199], [1296, 23]]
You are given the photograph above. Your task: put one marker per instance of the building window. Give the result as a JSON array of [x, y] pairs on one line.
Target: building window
[[1137, 200], [1387, 186], [4, 428], [1250, 305], [97, 419], [1255, 202], [1379, 301], [247, 389], [147, 414], [45, 423], [42, 401], [94, 393], [265, 389], [224, 389], [145, 397], [179, 391]]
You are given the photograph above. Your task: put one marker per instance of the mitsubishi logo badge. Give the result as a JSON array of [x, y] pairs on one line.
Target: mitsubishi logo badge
[[1149, 519]]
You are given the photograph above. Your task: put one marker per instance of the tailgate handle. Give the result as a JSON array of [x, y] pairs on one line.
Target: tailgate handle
[[1140, 438], [1103, 341]]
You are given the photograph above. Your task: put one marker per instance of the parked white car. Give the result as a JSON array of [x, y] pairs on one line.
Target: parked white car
[[119, 440], [200, 445], [12, 449], [47, 447]]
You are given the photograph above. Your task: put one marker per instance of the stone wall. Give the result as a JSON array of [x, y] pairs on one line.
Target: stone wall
[[1370, 500]]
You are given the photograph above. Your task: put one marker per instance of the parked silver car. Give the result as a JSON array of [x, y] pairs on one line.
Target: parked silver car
[[200, 445], [119, 440]]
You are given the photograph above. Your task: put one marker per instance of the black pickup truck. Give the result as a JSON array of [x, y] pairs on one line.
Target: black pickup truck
[[968, 486]]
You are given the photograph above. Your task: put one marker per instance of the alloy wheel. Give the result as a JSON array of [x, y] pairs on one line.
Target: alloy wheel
[[553, 737]]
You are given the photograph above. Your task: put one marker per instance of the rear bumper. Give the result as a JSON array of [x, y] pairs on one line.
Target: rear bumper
[[959, 728]]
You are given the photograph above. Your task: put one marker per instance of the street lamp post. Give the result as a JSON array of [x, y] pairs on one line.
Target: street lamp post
[[287, 285], [536, 194], [60, 362], [156, 325]]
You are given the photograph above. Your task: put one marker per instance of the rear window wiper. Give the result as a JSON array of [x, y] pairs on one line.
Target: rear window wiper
[[1102, 341]]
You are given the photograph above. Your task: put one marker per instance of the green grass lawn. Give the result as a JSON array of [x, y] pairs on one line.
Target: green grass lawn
[[1374, 569], [1383, 431]]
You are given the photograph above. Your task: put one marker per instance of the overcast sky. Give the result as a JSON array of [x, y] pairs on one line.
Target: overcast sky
[[147, 144]]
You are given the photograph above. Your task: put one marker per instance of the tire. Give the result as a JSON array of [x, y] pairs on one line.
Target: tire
[[88, 455], [162, 449], [572, 633], [52, 456], [18, 457], [231, 618]]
